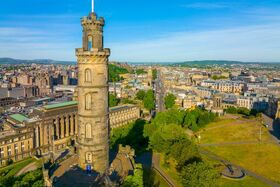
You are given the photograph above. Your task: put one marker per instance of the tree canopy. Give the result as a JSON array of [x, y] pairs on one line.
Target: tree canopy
[[154, 72], [166, 134], [113, 100], [140, 71], [115, 73], [140, 95], [169, 101], [242, 111], [199, 174], [149, 100], [135, 180]]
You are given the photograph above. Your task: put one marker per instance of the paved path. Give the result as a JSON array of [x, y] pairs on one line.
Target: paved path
[[156, 167], [30, 167], [261, 178], [238, 143]]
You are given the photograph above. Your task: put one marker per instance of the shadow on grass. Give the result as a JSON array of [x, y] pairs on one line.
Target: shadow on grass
[[134, 137]]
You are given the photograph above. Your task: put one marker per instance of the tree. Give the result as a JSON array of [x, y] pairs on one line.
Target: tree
[[140, 71], [140, 95], [149, 100], [131, 134], [113, 100], [244, 111], [199, 174], [154, 72], [135, 180], [231, 110], [169, 101], [115, 72]]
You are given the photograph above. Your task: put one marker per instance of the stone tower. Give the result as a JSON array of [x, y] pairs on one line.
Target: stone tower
[[217, 101], [93, 110]]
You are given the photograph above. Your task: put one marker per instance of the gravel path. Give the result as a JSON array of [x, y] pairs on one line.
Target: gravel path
[[30, 167]]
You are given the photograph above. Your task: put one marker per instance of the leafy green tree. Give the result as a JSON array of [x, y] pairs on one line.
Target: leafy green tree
[[216, 77], [132, 135], [39, 183], [231, 110], [149, 100], [199, 174], [115, 73], [128, 101], [140, 95], [140, 71], [169, 101], [135, 180], [165, 136], [154, 72], [244, 111], [113, 100], [6, 181], [31, 177], [185, 152]]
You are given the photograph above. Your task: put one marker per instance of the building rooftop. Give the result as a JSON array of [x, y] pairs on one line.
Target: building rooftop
[[42, 99], [59, 105], [19, 117], [113, 109]]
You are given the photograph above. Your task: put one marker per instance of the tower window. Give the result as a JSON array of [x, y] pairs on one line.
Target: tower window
[[88, 130], [89, 157], [89, 43], [88, 100], [88, 75]]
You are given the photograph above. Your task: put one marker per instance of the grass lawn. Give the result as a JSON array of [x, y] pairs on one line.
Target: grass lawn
[[234, 131], [222, 182], [261, 158], [16, 167], [247, 181]]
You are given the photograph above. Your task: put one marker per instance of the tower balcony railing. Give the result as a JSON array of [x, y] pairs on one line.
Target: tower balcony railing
[[93, 51]]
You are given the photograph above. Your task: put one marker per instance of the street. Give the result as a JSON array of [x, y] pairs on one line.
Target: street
[[159, 93]]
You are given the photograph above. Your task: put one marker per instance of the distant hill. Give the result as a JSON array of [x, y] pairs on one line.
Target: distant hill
[[218, 62], [12, 61], [209, 62]]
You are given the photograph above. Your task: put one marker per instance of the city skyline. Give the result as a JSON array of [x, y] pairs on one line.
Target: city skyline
[[145, 31]]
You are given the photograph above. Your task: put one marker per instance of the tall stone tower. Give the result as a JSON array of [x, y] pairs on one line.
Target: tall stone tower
[[93, 110]]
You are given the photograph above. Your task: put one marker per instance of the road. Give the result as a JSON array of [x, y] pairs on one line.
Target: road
[[159, 92], [152, 160], [156, 166], [273, 126]]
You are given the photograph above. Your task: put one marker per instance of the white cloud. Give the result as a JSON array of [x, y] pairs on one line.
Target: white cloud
[[201, 5], [252, 43]]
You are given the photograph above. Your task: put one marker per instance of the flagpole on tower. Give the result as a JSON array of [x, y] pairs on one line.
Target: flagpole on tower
[[92, 6]]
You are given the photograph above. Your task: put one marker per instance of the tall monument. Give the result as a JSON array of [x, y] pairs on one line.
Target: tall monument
[[93, 109]]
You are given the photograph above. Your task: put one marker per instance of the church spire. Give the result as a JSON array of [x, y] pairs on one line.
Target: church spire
[[92, 6]]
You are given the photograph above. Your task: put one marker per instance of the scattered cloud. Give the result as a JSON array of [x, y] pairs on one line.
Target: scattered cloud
[[201, 5], [253, 43]]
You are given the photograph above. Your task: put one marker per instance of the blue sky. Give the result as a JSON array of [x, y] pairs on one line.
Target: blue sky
[[145, 30]]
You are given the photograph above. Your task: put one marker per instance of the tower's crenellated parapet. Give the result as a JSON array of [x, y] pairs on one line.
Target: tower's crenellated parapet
[[92, 32]]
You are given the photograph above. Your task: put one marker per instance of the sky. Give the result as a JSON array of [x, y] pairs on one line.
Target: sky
[[145, 30]]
